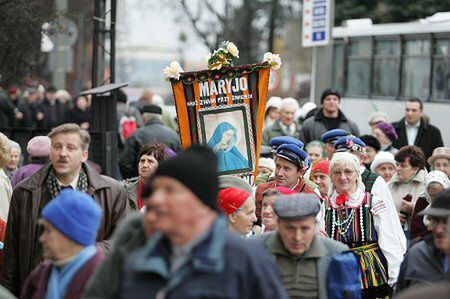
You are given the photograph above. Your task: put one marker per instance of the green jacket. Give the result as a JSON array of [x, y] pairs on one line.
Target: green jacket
[[275, 130], [326, 248]]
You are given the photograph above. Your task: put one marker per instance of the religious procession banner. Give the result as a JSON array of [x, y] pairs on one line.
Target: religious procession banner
[[223, 107]]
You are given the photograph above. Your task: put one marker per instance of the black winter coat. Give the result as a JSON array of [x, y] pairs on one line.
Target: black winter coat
[[428, 138], [153, 131]]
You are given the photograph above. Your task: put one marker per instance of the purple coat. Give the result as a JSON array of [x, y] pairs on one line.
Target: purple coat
[[35, 286], [25, 172]]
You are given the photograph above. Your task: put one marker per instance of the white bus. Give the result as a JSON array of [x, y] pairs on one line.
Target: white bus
[[378, 67]]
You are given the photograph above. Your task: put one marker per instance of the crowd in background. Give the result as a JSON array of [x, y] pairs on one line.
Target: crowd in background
[[330, 212]]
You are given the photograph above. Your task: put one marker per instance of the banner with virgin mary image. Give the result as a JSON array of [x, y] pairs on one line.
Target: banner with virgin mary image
[[223, 107]]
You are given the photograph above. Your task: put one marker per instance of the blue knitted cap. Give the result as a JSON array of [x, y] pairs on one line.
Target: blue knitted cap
[[76, 214]]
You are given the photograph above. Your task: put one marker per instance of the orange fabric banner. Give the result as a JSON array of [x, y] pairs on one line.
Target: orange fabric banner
[[224, 109]]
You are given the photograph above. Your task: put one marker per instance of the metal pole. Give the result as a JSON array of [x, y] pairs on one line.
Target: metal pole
[[95, 43], [59, 73], [112, 38]]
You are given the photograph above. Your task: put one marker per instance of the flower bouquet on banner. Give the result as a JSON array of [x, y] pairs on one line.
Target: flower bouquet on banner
[[223, 107]]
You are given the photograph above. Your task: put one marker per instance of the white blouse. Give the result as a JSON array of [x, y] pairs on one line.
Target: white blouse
[[388, 239]]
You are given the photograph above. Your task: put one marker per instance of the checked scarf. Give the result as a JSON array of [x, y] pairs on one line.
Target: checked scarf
[[54, 188]]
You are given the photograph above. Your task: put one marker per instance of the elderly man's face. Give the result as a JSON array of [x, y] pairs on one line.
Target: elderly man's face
[[14, 159], [67, 154], [442, 164], [268, 216], [286, 173], [439, 230], [55, 245], [331, 103], [297, 235], [287, 115], [176, 208], [315, 153], [243, 219]]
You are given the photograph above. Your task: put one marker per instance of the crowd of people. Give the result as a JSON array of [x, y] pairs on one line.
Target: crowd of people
[[331, 213]]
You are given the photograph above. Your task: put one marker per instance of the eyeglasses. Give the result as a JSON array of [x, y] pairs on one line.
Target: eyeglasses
[[346, 172]]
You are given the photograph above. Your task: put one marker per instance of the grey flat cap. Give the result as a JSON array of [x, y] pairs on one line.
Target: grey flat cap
[[230, 181], [297, 206]]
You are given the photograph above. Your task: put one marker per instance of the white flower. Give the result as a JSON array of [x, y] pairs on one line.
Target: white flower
[[173, 71], [274, 60], [232, 49], [208, 56]]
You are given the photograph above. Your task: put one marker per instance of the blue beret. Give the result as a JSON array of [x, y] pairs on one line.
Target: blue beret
[[280, 140], [297, 206], [333, 135], [349, 143], [293, 153]]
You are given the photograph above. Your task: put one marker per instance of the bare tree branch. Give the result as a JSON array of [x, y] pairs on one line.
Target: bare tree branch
[[194, 21]]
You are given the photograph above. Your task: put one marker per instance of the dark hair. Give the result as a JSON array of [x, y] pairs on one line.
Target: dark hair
[[158, 150], [416, 100], [415, 155], [369, 140]]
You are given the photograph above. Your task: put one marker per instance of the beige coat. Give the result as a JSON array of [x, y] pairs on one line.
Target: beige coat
[[415, 187], [5, 195]]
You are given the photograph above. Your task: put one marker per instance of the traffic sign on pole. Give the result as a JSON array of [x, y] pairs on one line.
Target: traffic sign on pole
[[316, 23]]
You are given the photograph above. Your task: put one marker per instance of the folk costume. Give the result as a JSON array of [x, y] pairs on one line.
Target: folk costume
[[361, 221]]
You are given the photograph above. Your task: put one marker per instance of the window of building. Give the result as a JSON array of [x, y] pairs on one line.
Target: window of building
[[441, 69], [359, 67], [339, 66], [416, 68], [386, 66]]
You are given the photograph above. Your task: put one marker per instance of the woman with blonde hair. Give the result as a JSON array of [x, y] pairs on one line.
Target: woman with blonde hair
[[362, 221], [5, 184]]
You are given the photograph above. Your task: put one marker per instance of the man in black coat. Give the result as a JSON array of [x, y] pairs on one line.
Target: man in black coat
[[55, 112], [413, 130], [153, 131]]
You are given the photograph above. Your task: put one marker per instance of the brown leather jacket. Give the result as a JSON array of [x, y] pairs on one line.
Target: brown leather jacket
[[23, 251]]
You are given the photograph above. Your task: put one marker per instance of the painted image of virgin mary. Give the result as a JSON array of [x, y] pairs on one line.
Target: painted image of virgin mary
[[223, 142]]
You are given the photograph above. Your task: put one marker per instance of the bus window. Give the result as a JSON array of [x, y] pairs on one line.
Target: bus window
[[358, 73], [441, 69], [338, 66], [386, 68], [416, 68]]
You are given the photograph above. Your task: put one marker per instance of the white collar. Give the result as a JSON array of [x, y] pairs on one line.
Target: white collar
[[354, 201], [415, 126], [72, 184]]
